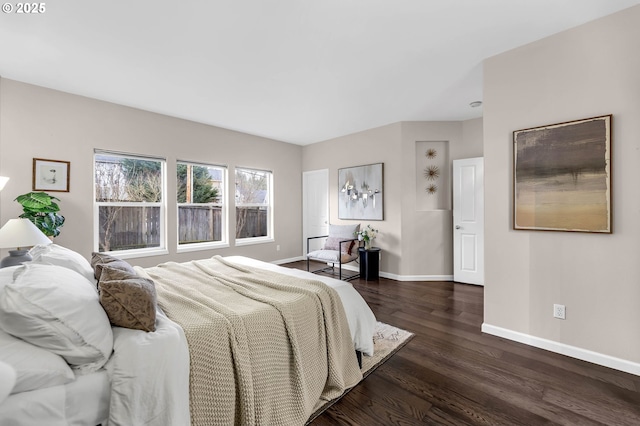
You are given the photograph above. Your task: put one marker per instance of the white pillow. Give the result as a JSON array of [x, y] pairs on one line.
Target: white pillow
[[346, 232], [61, 256], [7, 380], [35, 367], [57, 309]]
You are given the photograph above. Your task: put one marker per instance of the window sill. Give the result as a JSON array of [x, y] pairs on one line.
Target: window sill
[[255, 240], [131, 254], [200, 247]]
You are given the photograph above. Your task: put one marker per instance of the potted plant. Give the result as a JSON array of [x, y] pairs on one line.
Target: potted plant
[[41, 209], [367, 235]]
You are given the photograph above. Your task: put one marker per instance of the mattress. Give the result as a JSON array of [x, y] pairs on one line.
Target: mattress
[[82, 402]]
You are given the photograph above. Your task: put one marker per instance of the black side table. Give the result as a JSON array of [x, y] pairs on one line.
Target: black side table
[[369, 263]]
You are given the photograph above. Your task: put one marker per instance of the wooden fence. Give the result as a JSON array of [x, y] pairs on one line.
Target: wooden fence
[[139, 227], [199, 223], [253, 220]]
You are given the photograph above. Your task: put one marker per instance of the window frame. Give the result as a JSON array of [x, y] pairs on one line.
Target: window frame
[[161, 249], [270, 237], [224, 204]]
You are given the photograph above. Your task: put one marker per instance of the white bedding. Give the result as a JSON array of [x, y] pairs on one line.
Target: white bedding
[[146, 380], [150, 376], [361, 319], [151, 370], [84, 401]]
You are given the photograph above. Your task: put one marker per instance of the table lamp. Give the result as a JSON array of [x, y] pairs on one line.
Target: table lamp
[[20, 233]]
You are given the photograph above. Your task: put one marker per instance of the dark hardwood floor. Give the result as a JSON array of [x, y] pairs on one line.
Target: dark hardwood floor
[[453, 374]]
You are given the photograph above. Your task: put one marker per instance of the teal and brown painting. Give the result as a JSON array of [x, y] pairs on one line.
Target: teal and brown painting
[[562, 176]]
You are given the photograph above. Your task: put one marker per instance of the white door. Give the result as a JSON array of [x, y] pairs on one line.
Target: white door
[[468, 221], [315, 207]]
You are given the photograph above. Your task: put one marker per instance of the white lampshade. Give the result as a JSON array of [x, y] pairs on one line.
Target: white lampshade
[[21, 233], [3, 182]]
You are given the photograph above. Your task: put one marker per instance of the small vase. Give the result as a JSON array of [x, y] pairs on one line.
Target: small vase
[[367, 244]]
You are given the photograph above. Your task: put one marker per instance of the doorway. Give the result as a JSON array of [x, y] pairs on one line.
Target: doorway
[[315, 207]]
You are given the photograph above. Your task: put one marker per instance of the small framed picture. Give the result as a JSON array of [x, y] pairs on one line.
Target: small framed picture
[[51, 175]]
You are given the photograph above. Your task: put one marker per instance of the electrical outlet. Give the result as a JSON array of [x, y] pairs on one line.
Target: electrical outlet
[[559, 311], [278, 247]]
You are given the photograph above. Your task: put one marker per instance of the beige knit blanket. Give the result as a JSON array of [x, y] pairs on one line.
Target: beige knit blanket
[[266, 348]]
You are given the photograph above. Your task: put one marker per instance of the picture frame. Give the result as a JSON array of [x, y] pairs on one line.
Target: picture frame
[[562, 176], [360, 192], [51, 175]]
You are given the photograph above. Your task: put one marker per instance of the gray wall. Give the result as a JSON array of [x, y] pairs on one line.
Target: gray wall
[[416, 244], [44, 123], [587, 71]]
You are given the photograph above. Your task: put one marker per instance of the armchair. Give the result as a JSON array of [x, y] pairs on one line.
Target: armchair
[[339, 248]]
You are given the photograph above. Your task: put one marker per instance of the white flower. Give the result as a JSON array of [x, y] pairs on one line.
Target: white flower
[[367, 234]]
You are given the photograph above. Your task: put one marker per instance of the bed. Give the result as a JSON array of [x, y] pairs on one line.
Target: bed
[[123, 381]]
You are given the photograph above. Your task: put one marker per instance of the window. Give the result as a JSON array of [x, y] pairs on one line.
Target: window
[[253, 205], [201, 212], [129, 209]]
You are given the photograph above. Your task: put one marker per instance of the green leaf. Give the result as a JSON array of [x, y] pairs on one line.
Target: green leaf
[[40, 209], [38, 202]]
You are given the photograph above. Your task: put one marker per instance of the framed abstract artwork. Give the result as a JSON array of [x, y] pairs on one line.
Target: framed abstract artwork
[[360, 192], [51, 175], [562, 176]]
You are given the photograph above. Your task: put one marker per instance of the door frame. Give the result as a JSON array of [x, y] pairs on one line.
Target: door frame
[[475, 227], [305, 216]]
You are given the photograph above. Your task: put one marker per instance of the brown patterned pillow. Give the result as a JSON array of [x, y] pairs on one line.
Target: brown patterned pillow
[[333, 243], [128, 299], [99, 260]]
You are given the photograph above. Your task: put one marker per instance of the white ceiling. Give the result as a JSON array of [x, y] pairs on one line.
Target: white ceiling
[[299, 71]]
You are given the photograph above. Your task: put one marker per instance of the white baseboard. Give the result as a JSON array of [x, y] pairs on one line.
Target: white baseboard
[[292, 259], [351, 268], [382, 273], [405, 277], [563, 349], [416, 277]]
